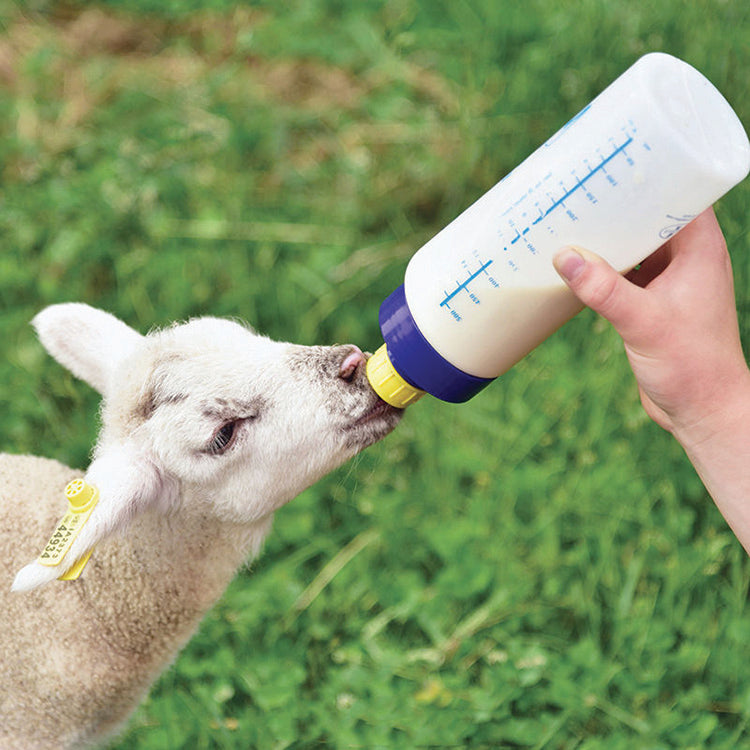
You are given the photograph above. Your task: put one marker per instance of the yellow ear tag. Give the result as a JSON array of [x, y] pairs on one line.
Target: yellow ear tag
[[82, 498]]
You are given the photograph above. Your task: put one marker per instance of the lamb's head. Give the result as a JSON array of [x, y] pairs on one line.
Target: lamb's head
[[244, 420], [208, 412]]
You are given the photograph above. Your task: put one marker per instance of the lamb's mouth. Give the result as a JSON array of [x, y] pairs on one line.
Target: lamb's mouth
[[374, 424], [379, 409]]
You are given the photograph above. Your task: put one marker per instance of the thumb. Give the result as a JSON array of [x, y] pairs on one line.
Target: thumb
[[600, 287]]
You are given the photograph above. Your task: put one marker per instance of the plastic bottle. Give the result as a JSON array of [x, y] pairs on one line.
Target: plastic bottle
[[651, 152]]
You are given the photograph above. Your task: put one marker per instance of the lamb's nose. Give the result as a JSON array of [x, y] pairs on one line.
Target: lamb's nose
[[349, 365]]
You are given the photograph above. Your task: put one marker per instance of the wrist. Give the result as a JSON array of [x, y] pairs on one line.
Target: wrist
[[725, 415]]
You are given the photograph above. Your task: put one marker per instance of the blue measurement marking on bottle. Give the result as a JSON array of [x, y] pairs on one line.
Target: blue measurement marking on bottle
[[464, 284], [521, 233], [603, 163]]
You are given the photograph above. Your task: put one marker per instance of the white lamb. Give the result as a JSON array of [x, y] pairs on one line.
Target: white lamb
[[207, 429]]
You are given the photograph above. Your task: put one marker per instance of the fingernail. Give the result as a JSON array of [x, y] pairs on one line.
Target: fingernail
[[569, 263]]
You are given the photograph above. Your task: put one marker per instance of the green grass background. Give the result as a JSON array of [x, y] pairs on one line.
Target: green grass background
[[538, 568]]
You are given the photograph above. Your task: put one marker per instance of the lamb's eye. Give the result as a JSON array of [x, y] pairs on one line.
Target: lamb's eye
[[223, 439]]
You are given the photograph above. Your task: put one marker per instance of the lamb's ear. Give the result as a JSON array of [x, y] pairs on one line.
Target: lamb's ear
[[89, 342], [128, 483]]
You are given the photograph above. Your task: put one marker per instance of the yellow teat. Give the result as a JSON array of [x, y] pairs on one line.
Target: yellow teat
[[387, 382]]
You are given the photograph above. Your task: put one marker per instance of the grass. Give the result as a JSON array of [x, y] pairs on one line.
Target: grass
[[538, 568]]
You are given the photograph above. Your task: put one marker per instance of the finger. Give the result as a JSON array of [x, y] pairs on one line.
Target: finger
[[696, 257], [703, 230], [699, 261], [700, 243], [701, 233], [601, 287]]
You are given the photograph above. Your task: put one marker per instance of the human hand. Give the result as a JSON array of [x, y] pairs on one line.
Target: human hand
[[677, 317]]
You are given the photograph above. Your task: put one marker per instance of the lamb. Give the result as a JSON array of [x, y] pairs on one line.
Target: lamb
[[207, 429]]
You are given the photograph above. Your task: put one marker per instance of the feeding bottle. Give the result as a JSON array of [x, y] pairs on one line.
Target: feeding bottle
[[652, 151]]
